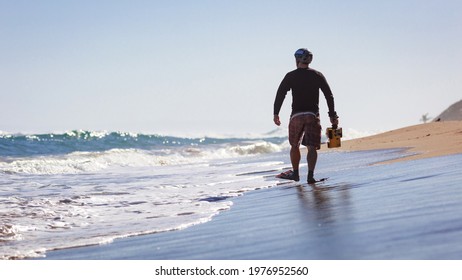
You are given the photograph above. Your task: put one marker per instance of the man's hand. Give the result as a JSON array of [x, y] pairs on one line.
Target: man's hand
[[334, 122], [276, 120]]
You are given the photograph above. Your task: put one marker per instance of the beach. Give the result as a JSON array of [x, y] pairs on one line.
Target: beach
[[404, 209], [423, 141]]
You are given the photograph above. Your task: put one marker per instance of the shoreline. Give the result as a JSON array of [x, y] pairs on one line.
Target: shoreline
[[421, 141], [358, 214], [340, 219]]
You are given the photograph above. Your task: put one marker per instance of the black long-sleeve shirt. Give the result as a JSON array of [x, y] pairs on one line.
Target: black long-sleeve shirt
[[305, 84]]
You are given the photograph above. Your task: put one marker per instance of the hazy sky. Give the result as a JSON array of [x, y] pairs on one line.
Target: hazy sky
[[214, 66]]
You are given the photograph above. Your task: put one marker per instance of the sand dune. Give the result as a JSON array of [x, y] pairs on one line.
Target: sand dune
[[452, 113]]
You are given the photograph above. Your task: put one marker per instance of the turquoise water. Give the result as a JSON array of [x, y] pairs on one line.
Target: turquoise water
[[18, 145]]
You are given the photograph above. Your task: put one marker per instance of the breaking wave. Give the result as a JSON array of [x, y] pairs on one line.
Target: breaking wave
[[87, 151]]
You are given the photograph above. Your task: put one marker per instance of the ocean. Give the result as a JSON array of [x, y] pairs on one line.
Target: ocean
[[85, 188]]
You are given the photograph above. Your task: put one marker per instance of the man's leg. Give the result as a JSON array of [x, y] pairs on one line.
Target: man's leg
[[295, 160], [295, 157], [311, 158], [312, 140], [296, 128]]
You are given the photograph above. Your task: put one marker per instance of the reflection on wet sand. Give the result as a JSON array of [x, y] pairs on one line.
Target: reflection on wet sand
[[327, 212], [329, 203]]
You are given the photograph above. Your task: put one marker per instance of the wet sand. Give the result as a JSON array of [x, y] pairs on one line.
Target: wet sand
[[407, 209], [404, 210]]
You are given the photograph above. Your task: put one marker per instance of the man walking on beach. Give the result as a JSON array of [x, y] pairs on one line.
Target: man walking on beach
[[304, 125]]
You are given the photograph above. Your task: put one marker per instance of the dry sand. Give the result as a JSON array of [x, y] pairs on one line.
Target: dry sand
[[425, 140]]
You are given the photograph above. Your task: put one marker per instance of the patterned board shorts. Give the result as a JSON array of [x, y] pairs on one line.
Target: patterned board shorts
[[305, 129]]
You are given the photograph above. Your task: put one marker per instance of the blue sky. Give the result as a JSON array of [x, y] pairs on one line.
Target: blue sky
[[214, 66]]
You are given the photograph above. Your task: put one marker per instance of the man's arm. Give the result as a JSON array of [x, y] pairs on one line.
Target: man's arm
[[280, 96], [330, 101]]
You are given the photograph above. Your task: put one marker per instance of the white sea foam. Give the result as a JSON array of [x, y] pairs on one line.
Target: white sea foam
[[84, 162], [54, 199], [65, 210], [9, 232], [96, 134]]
